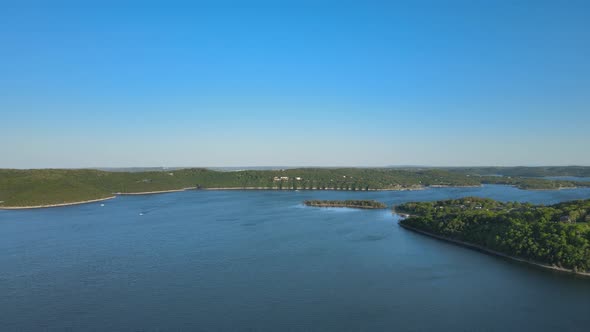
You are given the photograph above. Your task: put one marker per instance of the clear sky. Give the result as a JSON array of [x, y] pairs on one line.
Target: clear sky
[[301, 83]]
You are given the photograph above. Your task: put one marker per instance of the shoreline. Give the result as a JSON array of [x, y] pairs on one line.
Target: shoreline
[[535, 189], [54, 205], [495, 253], [345, 206], [559, 188], [157, 191], [310, 189], [449, 186], [248, 188]]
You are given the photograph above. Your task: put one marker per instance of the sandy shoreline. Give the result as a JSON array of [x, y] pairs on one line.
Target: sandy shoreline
[[54, 205], [495, 253]]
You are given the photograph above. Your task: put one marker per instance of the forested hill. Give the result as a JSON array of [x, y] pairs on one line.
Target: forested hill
[[55, 186], [556, 235], [524, 171]]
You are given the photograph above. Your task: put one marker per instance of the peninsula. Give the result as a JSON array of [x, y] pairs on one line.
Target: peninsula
[[555, 236]]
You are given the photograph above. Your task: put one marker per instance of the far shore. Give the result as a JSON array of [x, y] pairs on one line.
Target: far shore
[[241, 188], [157, 192], [451, 186], [54, 205], [558, 188], [533, 189], [495, 253], [315, 189], [346, 206]]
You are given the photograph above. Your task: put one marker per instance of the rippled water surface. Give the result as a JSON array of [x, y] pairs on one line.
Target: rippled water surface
[[260, 261]]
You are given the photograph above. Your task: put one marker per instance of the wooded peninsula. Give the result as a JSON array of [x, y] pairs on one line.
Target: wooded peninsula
[[39, 187], [555, 236]]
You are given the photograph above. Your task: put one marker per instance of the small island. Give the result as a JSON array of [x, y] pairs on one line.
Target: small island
[[555, 236], [356, 204]]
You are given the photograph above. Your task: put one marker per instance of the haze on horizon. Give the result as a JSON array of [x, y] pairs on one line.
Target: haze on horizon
[[300, 83]]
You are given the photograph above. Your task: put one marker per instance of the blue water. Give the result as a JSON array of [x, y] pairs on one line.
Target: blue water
[[260, 261]]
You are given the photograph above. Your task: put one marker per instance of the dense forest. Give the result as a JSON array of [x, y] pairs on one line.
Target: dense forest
[[522, 171], [556, 235], [359, 204], [54, 186]]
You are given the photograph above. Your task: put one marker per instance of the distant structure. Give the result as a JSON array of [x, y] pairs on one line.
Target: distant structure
[[565, 219]]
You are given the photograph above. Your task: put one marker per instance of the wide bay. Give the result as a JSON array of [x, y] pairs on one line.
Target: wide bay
[[259, 260]]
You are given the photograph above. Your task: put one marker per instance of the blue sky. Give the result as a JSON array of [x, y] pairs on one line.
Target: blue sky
[[302, 83]]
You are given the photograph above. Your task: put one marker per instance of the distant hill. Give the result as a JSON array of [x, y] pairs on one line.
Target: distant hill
[[58, 186], [525, 171], [136, 169]]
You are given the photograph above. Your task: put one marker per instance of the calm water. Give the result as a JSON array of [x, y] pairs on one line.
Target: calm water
[[259, 261]]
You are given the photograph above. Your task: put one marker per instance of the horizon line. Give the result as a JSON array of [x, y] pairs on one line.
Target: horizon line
[[274, 167]]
